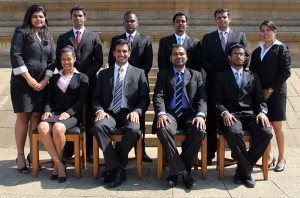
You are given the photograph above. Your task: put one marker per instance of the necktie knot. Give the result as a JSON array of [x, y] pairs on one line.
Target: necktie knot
[[180, 40]]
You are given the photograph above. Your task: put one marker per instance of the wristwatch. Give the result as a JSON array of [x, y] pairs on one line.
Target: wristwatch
[[270, 90]]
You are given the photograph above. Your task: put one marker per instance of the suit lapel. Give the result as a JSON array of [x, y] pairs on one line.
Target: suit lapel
[[74, 80], [230, 37], [38, 41], [186, 42], [173, 40], [84, 37], [172, 78], [218, 41], [128, 77], [111, 79], [246, 78], [231, 79], [136, 38], [72, 39], [187, 78]]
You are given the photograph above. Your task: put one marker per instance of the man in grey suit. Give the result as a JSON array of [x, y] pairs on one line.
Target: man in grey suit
[[141, 56], [121, 96], [241, 105], [180, 102], [89, 59], [190, 44], [214, 60]]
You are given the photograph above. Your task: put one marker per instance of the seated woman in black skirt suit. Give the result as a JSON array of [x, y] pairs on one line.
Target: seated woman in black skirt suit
[[66, 96]]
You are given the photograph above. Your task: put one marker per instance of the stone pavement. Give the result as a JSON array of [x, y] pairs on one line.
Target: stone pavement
[[284, 184]]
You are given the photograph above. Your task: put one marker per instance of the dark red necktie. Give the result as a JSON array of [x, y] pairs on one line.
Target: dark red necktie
[[78, 38]]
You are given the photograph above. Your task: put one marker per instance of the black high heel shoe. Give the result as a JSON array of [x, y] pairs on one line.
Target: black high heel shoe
[[279, 168], [272, 162], [29, 160], [23, 170], [63, 179]]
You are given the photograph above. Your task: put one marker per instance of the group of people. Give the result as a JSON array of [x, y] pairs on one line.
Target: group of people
[[231, 97]]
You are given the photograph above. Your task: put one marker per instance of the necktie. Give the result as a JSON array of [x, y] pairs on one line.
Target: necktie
[[130, 39], [178, 106], [78, 38], [238, 78], [223, 43], [118, 93], [180, 41]]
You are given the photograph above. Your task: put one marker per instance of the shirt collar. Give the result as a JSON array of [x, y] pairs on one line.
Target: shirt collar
[[74, 71], [183, 36], [175, 70], [133, 34], [276, 42], [240, 71], [227, 31], [124, 67], [81, 30]]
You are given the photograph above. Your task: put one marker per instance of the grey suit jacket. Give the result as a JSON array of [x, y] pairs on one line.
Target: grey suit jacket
[[141, 52], [191, 45], [34, 55], [193, 90], [136, 90], [214, 59], [89, 55], [245, 101]]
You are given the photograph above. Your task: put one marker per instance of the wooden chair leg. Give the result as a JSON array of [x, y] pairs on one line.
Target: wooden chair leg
[[35, 155], [160, 157], [95, 158], [84, 150], [77, 156], [204, 158], [221, 155], [265, 167], [139, 153]]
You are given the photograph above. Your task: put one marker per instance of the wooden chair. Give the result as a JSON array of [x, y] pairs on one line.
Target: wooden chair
[[221, 155], [180, 138], [117, 137], [76, 135]]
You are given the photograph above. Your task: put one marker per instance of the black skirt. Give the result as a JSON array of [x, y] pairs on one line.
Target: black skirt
[[277, 107], [69, 123]]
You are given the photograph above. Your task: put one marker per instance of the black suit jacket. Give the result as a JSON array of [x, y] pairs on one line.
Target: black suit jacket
[[274, 69], [34, 55], [72, 100], [245, 101], [141, 52], [214, 59], [89, 55], [191, 45], [193, 90], [136, 90]]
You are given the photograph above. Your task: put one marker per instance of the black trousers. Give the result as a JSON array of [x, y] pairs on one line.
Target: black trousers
[[118, 156], [183, 162], [260, 135]]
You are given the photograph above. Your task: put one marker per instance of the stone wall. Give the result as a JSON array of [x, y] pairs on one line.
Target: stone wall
[[155, 17]]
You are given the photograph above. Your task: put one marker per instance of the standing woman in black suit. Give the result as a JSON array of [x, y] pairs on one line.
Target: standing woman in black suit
[[272, 62], [66, 95], [32, 57]]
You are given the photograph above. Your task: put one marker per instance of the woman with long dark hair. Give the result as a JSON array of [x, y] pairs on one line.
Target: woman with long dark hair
[[272, 62], [32, 56]]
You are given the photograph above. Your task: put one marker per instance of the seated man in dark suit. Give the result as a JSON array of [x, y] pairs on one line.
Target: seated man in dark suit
[[121, 96], [240, 102], [180, 102]]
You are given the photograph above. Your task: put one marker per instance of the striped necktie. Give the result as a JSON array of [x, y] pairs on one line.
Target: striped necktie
[[178, 106], [238, 79], [223, 43], [118, 92]]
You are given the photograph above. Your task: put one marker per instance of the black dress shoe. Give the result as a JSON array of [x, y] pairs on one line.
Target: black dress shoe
[[107, 176], [146, 158], [53, 177], [238, 178], [188, 181], [250, 181], [172, 180], [118, 178], [90, 158]]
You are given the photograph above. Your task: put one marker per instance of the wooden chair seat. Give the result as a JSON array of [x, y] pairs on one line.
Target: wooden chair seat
[[76, 135], [181, 137], [117, 137], [221, 155]]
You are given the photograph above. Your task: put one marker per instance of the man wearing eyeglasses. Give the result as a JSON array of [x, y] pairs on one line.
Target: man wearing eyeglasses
[[214, 60], [241, 105]]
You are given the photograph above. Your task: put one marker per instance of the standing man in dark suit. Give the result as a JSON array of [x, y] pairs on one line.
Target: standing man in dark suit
[[89, 59], [180, 102], [190, 44], [241, 105], [214, 60], [121, 96], [141, 56]]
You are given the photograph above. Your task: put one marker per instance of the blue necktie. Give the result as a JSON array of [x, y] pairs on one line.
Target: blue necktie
[[118, 93], [178, 106], [180, 41], [238, 79]]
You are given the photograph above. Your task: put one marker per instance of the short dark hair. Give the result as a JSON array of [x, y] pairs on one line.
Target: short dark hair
[[269, 24], [122, 42], [179, 14], [129, 13], [176, 45], [78, 8], [221, 10], [68, 48], [234, 46]]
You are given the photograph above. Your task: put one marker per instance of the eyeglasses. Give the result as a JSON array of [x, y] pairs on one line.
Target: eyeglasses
[[238, 54]]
